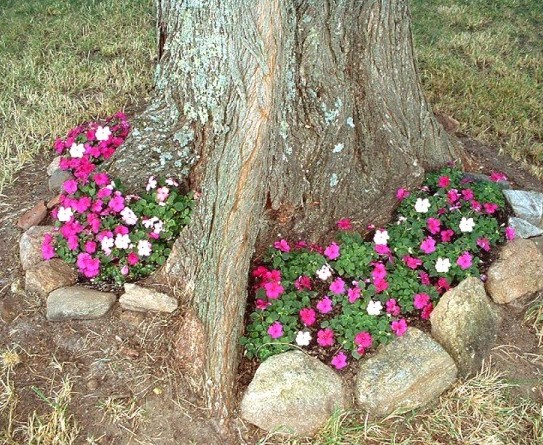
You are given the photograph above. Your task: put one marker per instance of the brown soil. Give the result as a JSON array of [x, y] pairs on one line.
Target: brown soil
[[126, 384]]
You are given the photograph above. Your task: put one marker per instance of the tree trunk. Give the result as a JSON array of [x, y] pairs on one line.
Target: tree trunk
[[284, 116]]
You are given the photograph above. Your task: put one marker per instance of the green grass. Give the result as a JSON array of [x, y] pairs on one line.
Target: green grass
[[64, 62], [481, 61]]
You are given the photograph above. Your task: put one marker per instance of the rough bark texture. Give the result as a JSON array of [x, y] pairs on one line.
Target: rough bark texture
[[283, 115]]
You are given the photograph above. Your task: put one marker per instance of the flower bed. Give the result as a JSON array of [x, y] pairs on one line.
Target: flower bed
[[342, 300]]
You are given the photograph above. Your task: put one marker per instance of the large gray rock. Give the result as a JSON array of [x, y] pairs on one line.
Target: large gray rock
[[465, 324], [30, 245], [516, 273], [523, 229], [408, 373], [47, 276], [526, 205], [54, 165], [294, 392], [143, 299], [57, 178], [78, 303]]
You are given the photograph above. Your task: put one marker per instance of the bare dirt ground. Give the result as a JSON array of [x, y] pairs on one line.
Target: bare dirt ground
[[126, 388]]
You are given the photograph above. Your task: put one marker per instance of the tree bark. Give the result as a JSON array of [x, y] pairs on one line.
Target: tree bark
[[283, 116]]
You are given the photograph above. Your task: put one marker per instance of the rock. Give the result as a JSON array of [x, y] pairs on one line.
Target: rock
[[30, 245], [93, 384], [47, 276], [449, 123], [53, 166], [408, 373], [516, 273], [466, 325], [138, 298], [78, 303], [294, 392], [56, 180], [53, 202], [526, 205], [33, 217], [523, 229]]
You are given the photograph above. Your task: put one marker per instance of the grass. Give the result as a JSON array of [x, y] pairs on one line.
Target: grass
[[481, 61], [65, 62]]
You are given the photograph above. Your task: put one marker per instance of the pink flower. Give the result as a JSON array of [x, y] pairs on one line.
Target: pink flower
[[382, 249], [399, 327], [47, 250], [401, 194], [498, 176], [344, 224], [275, 330], [325, 337], [262, 304], [426, 311], [421, 300], [282, 246], [379, 271], [325, 305], [116, 203], [443, 284], [339, 361], [392, 307], [273, 275], [353, 294], [490, 207], [467, 194], [484, 244], [124, 270], [464, 261], [83, 204], [70, 186], [428, 245], [452, 196], [446, 235], [510, 233], [337, 286], [476, 205], [90, 247], [101, 179], [332, 251], [380, 284], [443, 181], [303, 282], [88, 266], [308, 316], [412, 262], [363, 339], [273, 289], [162, 193], [424, 278], [132, 259], [104, 193], [259, 272], [433, 225]]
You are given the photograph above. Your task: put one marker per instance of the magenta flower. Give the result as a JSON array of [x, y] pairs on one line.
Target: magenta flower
[[399, 327], [70, 186], [275, 330], [379, 271], [332, 251], [308, 316], [116, 203], [303, 282], [273, 275], [259, 272], [476, 205], [402, 193], [325, 305], [83, 204], [262, 304], [443, 284], [428, 245], [380, 284], [282, 246], [392, 307], [424, 278], [464, 261], [132, 259], [101, 179], [325, 337], [443, 181], [88, 266], [484, 244], [426, 311], [47, 249], [337, 286], [452, 196], [433, 225], [490, 207], [273, 289], [363, 339], [421, 300], [344, 224], [412, 262], [353, 294], [498, 176], [90, 247], [339, 361], [446, 235], [382, 249], [104, 193], [510, 233]]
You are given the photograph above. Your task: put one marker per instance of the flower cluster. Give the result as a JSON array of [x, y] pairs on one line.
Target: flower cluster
[[342, 300], [108, 235]]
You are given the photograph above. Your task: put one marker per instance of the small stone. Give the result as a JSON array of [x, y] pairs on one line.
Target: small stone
[[30, 245], [523, 229], [516, 273], [408, 373], [449, 123], [526, 205], [143, 299], [56, 180], [54, 165], [466, 325], [293, 393], [53, 202], [33, 217], [47, 276], [78, 303], [93, 384]]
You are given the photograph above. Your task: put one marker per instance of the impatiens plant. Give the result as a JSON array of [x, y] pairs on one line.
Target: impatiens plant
[[342, 300], [108, 235]]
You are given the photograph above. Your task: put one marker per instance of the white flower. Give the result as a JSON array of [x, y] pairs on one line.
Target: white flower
[[466, 224], [64, 214], [324, 272], [151, 184], [103, 133], [443, 265], [172, 182], [129, 217], [381, 237], [303, 338], [148, 223], [401, 219], [122, 241], [77, 150], [144, 248], [422, 205], [374, 307], [107, 244], [159, 225]]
